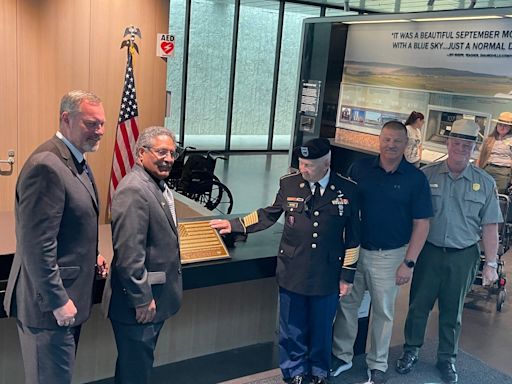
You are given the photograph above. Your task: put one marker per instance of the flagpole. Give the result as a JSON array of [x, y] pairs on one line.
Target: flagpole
[[126, 129]]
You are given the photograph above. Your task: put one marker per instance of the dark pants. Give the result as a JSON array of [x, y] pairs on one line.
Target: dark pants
[[446, 276], [135, 351], [305, 333], [48, 354]]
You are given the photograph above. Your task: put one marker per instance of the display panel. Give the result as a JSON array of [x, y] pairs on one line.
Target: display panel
[[439, 122], [365, 109]]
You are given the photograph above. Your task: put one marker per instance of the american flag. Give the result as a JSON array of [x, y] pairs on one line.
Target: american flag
[[127, 130]]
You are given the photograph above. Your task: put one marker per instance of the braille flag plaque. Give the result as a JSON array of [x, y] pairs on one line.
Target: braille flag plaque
[[200, 242]]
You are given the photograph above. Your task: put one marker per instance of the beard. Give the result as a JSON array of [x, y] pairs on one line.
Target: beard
[[91, 146]]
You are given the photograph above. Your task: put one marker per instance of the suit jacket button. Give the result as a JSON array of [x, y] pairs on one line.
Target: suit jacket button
[[125, 291], [179, 271], [315, 224], [316, 213], [281, 251], [315, 235], [313, 245]]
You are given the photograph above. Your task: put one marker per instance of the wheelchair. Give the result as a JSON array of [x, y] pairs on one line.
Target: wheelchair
[[192, 175], [504, 240]]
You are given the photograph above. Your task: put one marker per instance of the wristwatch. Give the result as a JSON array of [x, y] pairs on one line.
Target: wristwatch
[[492, 264], [409, 263]]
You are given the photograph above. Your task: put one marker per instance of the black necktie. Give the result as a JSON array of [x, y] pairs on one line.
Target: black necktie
[[316, 196], [86, 170]]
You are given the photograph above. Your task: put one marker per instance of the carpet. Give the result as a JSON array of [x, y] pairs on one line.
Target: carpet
[[471, 371]]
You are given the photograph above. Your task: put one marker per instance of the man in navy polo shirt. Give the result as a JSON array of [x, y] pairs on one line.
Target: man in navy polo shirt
[[396, 206]]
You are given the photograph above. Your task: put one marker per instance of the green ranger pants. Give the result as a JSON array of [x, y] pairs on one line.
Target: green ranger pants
[[445, 275]]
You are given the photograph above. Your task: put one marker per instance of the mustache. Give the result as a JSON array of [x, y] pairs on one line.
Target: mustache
[[166, 167]]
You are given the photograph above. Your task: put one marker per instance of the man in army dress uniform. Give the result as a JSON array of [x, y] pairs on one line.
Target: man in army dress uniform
[[317, 258]]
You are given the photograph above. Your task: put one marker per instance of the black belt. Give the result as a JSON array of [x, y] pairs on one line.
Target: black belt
[[450, 250], [373, 248]]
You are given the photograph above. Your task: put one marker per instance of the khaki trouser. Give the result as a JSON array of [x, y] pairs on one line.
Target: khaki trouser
[[376, 272], [501, 176]]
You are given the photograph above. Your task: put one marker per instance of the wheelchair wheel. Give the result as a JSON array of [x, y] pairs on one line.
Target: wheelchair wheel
[[216, 196], [502, 295]]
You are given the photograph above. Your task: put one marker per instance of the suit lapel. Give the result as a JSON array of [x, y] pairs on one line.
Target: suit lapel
[[71, 163], [159, 196]]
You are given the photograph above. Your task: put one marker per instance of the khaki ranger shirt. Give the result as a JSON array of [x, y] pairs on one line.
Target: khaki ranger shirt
[[461, 205]]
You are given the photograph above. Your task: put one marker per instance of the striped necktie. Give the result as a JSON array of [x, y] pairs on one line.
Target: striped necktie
[[170, 201]]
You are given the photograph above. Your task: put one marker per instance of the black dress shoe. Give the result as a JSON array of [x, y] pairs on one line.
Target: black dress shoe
[[405, 364], [377, 376], [448, 372], [319, 380]]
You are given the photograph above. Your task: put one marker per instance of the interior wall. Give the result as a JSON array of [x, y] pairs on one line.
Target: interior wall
[[8, 101], [59, 45]]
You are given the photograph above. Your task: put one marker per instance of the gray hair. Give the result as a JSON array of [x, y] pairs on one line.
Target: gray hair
[[145, 139], [72, 100]]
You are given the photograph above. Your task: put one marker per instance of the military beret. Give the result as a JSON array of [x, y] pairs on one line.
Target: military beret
[[313, 149]]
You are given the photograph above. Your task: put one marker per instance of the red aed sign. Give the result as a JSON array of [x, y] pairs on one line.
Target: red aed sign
[[164, 45]]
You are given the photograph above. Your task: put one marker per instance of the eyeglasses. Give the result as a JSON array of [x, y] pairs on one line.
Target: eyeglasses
[[163, 153]]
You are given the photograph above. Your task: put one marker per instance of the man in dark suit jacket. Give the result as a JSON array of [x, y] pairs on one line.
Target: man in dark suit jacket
[[317, 258], [145, 286], [51, 281]]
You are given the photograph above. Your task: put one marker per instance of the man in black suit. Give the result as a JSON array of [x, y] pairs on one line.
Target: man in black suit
[[316, 261], [51, 280], [145, 286]]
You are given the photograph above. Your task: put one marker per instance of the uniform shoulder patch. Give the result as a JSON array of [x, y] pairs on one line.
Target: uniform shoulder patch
[[290, 175], [345, 178]]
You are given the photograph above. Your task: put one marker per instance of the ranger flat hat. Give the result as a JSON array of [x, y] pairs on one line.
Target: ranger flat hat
[[313, 149], [504, 118], [465, 129]]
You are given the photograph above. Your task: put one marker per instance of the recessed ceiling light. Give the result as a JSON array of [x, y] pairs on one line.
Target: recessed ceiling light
[[459, 18], [377, 21]]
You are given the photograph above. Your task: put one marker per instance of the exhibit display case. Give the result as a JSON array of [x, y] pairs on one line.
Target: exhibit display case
[[376, 69]]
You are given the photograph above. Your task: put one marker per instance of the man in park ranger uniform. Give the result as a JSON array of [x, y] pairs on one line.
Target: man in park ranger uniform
[[465, 208], [317, 258]]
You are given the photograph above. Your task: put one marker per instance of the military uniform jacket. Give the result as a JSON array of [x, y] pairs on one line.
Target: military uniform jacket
[[320, 242]]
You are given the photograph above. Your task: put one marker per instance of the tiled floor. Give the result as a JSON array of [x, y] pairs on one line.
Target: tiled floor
[[254, 180]]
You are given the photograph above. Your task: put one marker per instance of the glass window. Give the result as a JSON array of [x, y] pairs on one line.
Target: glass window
[[175, 65], [254, 74], [209, 60], [286, 99]]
